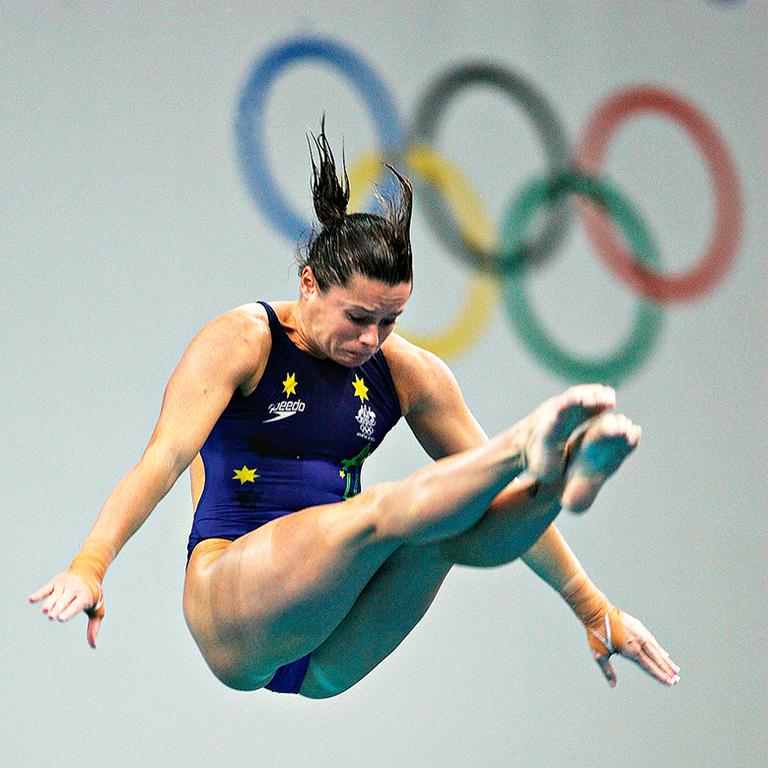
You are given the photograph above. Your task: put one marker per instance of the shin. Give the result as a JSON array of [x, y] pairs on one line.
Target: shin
[[514, 521]]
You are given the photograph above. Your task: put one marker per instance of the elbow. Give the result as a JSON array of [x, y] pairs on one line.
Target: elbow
[[165, 463]]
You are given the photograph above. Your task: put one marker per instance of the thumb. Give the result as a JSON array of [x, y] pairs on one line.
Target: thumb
[[95, 617], [94, 624], [607, 669]]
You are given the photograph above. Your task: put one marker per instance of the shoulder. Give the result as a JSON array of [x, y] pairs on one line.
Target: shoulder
[[246, 326], [238, 341], [420, 376]]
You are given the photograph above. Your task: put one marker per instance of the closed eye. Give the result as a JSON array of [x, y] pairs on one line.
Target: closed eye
[[360, 320]]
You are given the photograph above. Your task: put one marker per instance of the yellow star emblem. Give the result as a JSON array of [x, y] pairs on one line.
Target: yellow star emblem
[[245, 475], [342, 474], [289, 385], [361, 390]]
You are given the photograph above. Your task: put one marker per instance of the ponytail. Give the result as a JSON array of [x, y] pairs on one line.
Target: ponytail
[[378, 247]]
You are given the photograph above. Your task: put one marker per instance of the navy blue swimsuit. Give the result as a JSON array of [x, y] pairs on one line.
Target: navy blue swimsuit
[[298, 440]]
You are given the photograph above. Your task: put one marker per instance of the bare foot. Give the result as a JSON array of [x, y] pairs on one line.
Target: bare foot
[[596, 455], [553, 422]]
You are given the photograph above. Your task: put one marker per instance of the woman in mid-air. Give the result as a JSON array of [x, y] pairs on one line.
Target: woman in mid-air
[[297, 580]]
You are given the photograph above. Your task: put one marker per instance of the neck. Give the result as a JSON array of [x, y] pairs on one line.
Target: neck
[[297, 326]]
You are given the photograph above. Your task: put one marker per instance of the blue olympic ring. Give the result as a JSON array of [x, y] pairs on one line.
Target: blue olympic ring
[[249, 127]]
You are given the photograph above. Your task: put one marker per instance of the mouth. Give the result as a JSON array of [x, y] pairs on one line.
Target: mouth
[[358, 358]]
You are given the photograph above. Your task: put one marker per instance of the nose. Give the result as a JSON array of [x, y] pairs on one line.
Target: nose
[[369, 337]]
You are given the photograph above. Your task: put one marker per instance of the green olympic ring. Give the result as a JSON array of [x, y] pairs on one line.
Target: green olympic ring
[[524, 253], [633, 352]]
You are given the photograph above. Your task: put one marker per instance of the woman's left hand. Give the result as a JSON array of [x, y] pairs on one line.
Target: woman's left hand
[[638, 645]]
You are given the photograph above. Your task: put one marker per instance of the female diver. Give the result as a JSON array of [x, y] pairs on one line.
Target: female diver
[[297, 580]]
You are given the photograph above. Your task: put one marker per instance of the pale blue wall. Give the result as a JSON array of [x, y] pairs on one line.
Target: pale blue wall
[[127, 225]]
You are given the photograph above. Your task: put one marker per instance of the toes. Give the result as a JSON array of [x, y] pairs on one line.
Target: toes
[[579, 404], [591, 396], [557, 419]]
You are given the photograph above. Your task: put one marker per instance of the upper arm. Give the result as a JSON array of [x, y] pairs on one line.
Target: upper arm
[[225, 353], [432, 401]]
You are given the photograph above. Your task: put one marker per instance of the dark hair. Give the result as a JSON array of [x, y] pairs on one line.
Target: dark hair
[[374, 246]]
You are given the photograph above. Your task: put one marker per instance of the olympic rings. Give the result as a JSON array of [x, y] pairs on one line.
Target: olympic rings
[[555, 144], [476, 309], [722, 248], [472, 236], [635, 350], [249, 126]]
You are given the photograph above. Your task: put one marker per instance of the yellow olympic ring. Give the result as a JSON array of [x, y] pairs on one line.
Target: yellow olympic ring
[[484, 290]]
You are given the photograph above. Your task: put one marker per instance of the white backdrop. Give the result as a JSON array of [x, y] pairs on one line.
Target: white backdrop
[[127, 225]]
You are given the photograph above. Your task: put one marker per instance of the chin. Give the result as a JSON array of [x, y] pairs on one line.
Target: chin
[[353, 360]]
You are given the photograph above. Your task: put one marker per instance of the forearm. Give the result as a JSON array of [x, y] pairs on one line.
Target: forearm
[[133, 499], [552, 560]]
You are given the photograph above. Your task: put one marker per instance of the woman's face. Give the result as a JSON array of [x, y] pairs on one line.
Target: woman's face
[[348, 324]]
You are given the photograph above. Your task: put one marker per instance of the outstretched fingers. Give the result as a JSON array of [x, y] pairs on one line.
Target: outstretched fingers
[[50, 605], [75, 605], [658, 655], [659, 668], [59, 599], [656, 665], [44, 591], [642, 647], [65, 600], [65, 596]]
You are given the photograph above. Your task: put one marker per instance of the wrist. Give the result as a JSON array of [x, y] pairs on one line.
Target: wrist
[[588, 603], [91, 563]]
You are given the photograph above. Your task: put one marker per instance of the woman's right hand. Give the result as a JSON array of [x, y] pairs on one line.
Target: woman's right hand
[[67, 594]]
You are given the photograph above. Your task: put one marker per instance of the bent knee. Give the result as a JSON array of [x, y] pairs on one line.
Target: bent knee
[[400, 511], [318, 684], [372, 511], [229, 669], [237, 679]]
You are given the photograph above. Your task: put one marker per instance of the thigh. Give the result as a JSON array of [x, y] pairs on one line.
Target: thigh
[[390, 606], [276, 593], [403, 588]]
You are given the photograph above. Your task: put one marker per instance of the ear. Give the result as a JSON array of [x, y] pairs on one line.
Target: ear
[[308, 283]]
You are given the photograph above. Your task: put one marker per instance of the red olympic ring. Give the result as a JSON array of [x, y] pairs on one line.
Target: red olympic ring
[[719, 254]]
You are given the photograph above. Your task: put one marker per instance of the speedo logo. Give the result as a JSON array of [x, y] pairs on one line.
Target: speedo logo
[[284, 409]]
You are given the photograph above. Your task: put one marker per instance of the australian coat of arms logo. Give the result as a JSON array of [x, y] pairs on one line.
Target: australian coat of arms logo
[[366, 418]]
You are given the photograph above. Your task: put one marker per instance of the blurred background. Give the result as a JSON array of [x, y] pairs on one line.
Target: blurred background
[[156, 173]]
